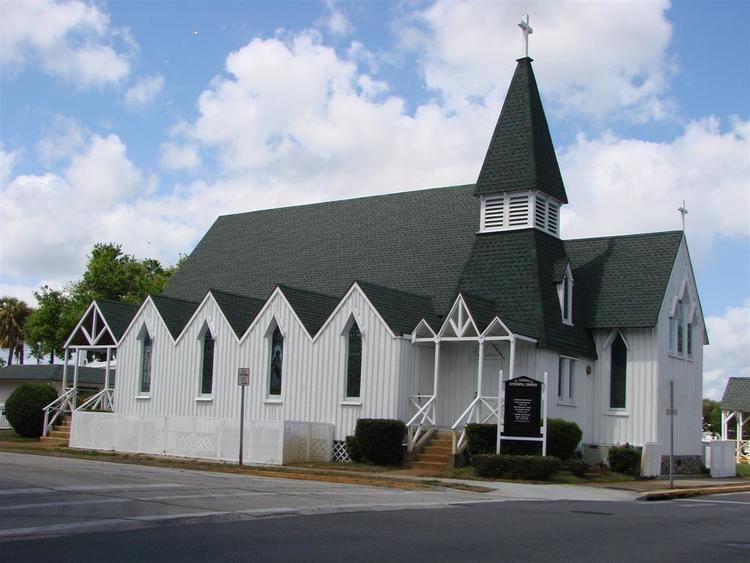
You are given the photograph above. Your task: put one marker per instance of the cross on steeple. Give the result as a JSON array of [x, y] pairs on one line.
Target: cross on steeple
[[683, 211], [527, 30]]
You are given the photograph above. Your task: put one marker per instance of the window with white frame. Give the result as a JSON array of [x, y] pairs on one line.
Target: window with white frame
[[277, 359], [147, 346], [566, 379], [681, 326], [565, 295], [207, 365], [353, 362], [618, 373]]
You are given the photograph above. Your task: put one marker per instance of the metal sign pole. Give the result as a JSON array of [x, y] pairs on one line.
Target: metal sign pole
[[243, 380], [242, 420]]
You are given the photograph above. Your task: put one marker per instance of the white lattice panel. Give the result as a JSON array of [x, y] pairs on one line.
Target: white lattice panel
[[265, 440], [339, 452], [105, 430]]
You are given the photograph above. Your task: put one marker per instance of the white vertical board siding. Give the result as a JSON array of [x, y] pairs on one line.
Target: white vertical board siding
[[580, 410], [687, 373], [314, 371], [636, 424]]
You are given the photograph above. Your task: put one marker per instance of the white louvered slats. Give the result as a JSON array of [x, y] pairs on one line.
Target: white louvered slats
[[494, 213], [518, 210], [553, 219]]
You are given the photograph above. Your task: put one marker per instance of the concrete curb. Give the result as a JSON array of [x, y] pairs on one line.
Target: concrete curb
[[693, 492]]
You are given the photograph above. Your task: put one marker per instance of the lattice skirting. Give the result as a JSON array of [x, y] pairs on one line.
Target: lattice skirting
[[339, 452]]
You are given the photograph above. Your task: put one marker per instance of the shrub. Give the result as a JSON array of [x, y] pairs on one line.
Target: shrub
[[625, 459], [481, 438], [24, 408], [562, 437], [380, 441], [536, 468], [353, 450], [578, 467]]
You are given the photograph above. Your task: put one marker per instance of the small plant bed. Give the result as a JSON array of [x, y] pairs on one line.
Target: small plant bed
[[743, 470], [561, 477]]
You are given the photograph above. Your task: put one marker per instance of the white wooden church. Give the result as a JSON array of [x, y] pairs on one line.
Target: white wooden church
[[411, 306]]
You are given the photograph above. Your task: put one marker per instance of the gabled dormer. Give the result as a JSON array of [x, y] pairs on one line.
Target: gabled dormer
[[520, 185]]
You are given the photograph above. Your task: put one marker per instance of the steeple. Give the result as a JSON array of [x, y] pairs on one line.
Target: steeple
[[521, 155]]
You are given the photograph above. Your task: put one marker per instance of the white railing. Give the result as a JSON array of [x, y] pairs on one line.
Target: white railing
[[102, 401], [422, 424], [4, 424], [61, 405], [474, 410]]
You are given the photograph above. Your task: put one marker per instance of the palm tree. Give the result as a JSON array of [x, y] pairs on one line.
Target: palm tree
[[13, 315]]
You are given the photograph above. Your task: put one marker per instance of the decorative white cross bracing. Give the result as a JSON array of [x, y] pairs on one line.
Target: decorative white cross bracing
[[527, 30]]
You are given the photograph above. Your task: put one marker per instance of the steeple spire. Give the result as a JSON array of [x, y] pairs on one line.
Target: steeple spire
[[521, 155]]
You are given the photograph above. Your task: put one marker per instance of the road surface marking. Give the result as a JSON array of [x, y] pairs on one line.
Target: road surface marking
[[718, 501]]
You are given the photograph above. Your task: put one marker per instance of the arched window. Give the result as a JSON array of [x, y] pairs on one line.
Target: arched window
[[277, 358], [146, 348], [354, 362], [207, 368], [618, 375]]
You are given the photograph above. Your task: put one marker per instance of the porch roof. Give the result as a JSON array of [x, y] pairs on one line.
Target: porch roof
[[737, 395]]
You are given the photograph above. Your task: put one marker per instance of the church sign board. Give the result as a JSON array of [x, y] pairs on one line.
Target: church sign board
[[523, 405]]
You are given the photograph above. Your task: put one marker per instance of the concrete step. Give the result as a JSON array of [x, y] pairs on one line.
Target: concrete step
[[54, 442], [59, 434], [441, 441], [439, 450]]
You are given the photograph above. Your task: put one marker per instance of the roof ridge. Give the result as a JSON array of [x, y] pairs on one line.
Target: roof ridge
[[231, 294], [631, 235], [281, 286], [339, 201], [162, 296], [379, 286]]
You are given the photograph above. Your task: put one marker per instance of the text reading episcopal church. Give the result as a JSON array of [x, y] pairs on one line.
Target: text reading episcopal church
[[408, 306]]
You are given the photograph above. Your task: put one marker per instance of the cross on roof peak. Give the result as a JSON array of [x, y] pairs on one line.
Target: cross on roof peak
[[527, 30]]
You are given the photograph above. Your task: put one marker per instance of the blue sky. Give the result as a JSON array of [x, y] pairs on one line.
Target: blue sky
[[140, 122]]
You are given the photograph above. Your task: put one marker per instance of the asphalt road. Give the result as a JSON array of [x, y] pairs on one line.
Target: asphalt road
[[74, 510]]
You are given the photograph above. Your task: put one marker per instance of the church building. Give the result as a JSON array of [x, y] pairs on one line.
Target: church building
[[414, 306]]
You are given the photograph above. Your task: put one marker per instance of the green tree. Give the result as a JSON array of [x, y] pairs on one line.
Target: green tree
[[47, 327], [13, 315], [711, 416], [109, 274]]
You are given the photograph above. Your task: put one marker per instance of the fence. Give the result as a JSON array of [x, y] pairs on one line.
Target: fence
[[264, 442], [4, 424]]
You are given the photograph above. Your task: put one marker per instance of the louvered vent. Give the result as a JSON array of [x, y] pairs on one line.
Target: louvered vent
[[518, 210], [553, 215], [494, 213], [540, 212]]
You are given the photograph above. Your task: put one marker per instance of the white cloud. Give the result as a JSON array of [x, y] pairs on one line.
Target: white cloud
[[71, 40], [64, 137], [335, 21], [620, 185], [595, 58], [179, 157], [7, 162], [728, 355], [144, 91]]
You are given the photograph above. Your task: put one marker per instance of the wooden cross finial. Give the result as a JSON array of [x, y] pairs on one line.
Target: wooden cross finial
[[527, 30], [683, 211]]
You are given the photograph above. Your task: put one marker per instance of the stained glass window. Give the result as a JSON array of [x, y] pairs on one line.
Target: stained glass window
[[207, 373], [354, 362], [277, 358], [148, 345]]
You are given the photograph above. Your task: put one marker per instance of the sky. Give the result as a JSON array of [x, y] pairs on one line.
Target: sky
[[140, 122]]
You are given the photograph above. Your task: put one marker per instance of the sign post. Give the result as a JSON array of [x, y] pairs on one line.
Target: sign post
[[243, 380]]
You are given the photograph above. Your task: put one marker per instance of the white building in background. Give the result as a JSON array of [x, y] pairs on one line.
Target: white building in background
[[409, 306]]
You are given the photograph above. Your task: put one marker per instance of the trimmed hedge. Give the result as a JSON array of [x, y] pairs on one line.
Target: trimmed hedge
[[481, 438], [24, 408], [380, 441], [578, 467], [535, 468], [625, 459], [562, 437], [353, 449]]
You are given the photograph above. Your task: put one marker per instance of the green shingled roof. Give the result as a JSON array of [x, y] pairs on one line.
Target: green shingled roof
[[737, 395], [312, 308], [401, 310], [621, 281], [174, 312], [117, 314], [521, 155], [239, 311]]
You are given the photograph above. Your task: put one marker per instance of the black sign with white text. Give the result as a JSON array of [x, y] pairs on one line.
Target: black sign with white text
[[523, 407]]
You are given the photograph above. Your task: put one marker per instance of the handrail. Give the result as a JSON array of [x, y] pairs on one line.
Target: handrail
[[59, 404], [468, 410], [423, 411], [102, 397], [475, 406]]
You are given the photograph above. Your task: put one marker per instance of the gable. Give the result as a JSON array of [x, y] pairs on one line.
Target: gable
[[174, 312], [621, 281]]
